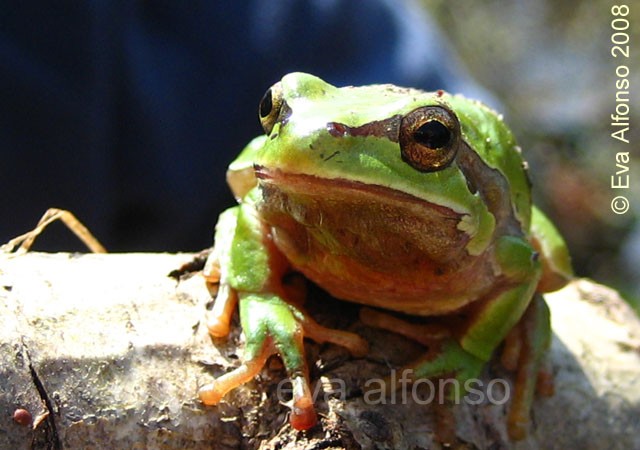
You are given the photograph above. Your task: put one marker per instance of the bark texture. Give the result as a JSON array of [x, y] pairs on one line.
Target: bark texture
[[107, 351]]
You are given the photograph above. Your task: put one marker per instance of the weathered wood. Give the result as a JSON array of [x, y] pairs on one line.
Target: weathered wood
[[114, 350]]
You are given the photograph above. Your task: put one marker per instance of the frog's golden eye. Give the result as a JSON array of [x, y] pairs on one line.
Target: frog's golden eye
[[270, 107], [429, 138]]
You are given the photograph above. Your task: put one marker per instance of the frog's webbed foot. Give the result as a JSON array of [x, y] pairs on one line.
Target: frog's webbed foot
[[444, 355], [272, 326], [523, 351], [445, 359]]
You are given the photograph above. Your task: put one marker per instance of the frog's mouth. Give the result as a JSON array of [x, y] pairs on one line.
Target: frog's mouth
[[338, 187]]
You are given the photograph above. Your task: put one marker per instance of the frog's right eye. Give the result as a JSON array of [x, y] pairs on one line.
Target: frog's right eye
[[270, 107]]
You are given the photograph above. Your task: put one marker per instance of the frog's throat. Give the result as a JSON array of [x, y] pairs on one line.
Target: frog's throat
[[372, 244]]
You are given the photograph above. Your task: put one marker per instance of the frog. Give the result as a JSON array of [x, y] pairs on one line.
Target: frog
[[411, 203]]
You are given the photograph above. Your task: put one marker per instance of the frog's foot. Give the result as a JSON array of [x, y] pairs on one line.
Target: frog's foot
[[453, 368], [524, 350], [274, 326], [303, 414], [270, 327], [445, 360], [452, 364], [357, 346], [219, 318], [212, 393], [444, 356]]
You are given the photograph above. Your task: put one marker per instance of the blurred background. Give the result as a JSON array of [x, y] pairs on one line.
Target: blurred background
[[128, 113]]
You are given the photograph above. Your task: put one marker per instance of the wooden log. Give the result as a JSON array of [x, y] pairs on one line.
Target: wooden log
[[107, 351]]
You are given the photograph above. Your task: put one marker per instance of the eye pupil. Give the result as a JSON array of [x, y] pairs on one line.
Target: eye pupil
[[266, 104], [432, 134]]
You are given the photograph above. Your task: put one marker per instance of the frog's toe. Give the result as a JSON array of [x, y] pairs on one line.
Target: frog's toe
[[212, 271], [303, 413], [289, 324], [425, 334], [356, 345], [450, 358], [524, 352], [219, 319], [212, 393]]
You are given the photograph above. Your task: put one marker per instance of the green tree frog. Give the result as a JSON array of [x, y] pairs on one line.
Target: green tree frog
[[398, 199]]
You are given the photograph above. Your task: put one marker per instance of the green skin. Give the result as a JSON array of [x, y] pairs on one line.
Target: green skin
[[498, 232]]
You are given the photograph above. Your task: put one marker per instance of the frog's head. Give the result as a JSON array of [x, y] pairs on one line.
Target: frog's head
[[446, 151]]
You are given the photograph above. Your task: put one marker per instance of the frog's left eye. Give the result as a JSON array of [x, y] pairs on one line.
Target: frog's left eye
[[429, 138], [270, 107]]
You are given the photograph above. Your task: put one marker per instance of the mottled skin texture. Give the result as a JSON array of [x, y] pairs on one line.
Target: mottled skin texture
[[397, 199]]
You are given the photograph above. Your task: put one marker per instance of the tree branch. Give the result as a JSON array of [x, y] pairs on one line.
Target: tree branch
[[108, 351]]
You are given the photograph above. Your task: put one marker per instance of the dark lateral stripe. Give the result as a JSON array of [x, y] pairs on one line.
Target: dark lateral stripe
[[387, 128], [492, 186]]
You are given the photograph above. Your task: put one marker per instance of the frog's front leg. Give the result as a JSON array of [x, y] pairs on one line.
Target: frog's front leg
[[520, 318], [508, 313], [464, 352], [249, 270]]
